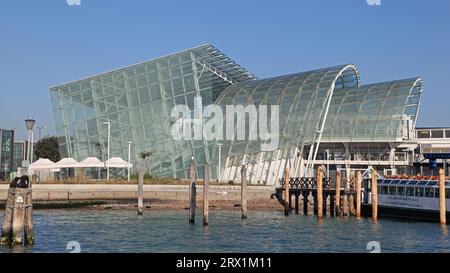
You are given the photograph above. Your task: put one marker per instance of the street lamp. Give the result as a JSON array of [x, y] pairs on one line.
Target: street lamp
[[40, 130], [109, 146], [129, 160], [219, 171], [30, 125]]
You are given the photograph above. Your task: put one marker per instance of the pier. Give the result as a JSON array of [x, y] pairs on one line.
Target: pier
[[321, 194]]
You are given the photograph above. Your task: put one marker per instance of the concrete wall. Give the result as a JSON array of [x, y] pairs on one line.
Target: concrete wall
[[128, 192]]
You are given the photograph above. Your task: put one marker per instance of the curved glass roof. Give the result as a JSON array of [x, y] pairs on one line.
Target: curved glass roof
[[302, 98], [373, 112]]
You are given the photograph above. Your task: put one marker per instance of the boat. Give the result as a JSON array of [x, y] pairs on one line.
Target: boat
[[407, 198]]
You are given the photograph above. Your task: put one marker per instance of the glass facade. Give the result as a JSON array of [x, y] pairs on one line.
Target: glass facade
[[137, 100], [6, 153], [373, 112], [322, 105], [20, 154]]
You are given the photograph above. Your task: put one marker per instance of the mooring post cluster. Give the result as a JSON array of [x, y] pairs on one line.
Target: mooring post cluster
[[206, 180], [345, 199], [18, 223]]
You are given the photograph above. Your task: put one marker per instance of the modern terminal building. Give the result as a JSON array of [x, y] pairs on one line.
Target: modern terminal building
[[327, 117]]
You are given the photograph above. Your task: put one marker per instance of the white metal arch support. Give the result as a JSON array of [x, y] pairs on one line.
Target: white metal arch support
[[323, 119]]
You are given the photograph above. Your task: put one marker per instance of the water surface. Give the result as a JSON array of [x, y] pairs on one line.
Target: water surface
[[270, 231]]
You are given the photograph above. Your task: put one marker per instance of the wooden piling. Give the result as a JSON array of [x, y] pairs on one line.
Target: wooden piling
[[244, 192], [18, 216], [141, 191], [358, 194], [192, 192], [205, 196], [345, 205], [29, 227], [374, 196], [8, 219], [442, 198], [305, 202], [332, 205], [286, 192], [319, 193], [351, 203], [338, 194]]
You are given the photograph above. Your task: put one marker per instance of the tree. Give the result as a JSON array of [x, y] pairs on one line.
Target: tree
[[47, 148]]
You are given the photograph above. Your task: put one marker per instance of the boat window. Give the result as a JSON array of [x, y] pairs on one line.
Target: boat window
[[383, 190], [436, 193], [447, 184], [401, 191], [419, 191], [429, 192], [381, 181], [422, 183], [403, 182], [409, 191], [412, 182], [447, 193], [392, 190], [395, 182], [432, 183]]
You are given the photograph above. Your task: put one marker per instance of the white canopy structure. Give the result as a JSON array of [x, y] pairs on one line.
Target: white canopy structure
[[92, 162], [66, 163], [42, 163], [117, 162]]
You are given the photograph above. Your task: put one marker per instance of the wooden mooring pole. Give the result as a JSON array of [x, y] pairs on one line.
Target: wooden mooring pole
[[18, 223], [345, 204], [319, 192], [205, 195], [192, 192], [442, 198], [338, 194], [374, 196], [244, 192], [358, 194], [141, 191], [286, 192]]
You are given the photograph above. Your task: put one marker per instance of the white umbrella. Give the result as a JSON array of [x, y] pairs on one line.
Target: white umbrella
[[66, 163], [117, 162], [92, 162]]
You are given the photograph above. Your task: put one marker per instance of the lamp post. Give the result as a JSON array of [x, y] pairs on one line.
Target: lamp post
[[219, 171], [30, 125], [109, 146], [40, 130], [129, 160]]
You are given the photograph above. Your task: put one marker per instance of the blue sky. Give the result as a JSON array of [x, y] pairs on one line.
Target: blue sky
[[45, 43]]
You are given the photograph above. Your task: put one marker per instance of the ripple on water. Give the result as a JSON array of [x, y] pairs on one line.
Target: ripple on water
[[264, 231]]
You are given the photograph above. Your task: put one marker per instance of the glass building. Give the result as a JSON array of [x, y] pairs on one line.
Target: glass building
[[6, 153], [322, 110]]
